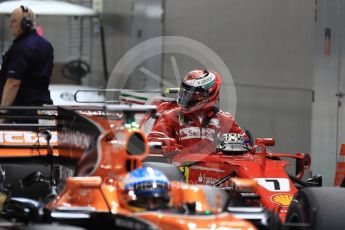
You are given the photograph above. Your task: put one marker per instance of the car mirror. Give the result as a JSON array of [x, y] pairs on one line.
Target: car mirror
[[265, 141], [307, 161]]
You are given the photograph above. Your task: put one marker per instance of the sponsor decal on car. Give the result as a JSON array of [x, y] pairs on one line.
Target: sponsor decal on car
[[206, 180], [25, 138], [93, 113], [282, 199], [75, 138]]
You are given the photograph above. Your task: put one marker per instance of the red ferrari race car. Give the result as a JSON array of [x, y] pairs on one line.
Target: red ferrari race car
[[100, 146], [311, 208], [235, 158], [276, 187]]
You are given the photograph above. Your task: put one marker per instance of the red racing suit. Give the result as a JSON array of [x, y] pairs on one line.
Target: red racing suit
[[196, 133]]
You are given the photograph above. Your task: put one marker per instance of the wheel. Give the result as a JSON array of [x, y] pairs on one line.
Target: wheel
[[317, 208], [170, 171]]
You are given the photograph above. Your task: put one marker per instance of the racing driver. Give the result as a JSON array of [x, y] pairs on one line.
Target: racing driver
[[197, 121], [146, 189]]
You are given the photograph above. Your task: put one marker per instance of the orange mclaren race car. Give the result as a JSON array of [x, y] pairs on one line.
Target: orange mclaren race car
[[101, 146]]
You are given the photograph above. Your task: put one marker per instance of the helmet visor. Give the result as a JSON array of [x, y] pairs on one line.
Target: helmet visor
[[149, 195], [190, 96], [150, 203]]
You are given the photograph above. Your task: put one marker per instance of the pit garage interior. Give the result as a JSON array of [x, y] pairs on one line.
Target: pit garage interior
[[286, 59], [286, 83]]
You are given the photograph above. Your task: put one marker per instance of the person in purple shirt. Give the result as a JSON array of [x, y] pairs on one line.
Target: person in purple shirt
[[27, 65]]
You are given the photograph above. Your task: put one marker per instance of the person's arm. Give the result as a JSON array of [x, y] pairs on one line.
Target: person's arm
[[235, 128], [10, 91], [15, 72], [162, 129]]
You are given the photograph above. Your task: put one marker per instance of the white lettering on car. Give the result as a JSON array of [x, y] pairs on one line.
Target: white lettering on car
[[206, 180], [75, 138], [24, 138]]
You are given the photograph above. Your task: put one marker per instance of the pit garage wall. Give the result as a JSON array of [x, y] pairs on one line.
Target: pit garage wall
[[117, 22], [328, 118], [268, 47]]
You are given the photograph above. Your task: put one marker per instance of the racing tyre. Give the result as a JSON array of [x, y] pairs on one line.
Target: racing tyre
[[317, 209], [170, 171]]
